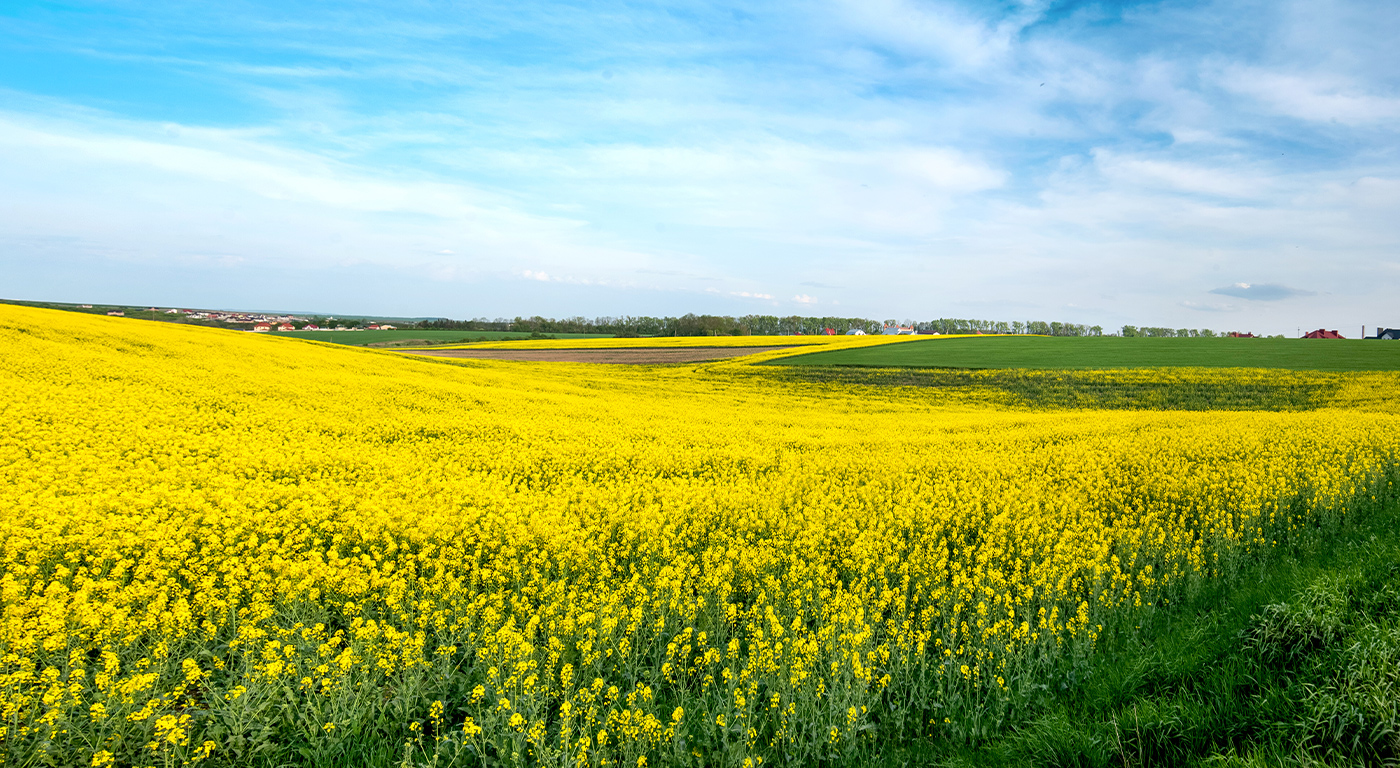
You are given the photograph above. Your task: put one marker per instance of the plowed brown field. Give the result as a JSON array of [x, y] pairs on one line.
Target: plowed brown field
[[629, 356]]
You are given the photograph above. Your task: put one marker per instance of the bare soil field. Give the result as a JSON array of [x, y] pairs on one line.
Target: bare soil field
[[626, 356]]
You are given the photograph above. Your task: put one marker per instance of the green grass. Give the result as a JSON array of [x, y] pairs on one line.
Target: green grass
[[1296, 662], [365, 338], [1045, 352]]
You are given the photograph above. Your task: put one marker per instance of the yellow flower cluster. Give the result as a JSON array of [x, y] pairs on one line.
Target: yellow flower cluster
[[221, 547]]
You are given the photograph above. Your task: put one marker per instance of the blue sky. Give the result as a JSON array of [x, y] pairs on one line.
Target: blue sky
[[1190, 164]]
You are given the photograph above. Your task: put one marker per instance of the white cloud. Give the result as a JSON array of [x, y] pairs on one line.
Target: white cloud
[[1182, 177], [1311, 96], [779, 190], [803, 298], [165, 191], [276, 174], [938, 29]]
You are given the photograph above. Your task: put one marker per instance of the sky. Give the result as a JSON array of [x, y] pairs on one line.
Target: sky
[[1224, 165]]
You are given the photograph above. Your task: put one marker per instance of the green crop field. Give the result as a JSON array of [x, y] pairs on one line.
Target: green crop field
[[387, 338], [1046, 352]]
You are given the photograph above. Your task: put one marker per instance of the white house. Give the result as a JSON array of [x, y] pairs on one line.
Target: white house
[[855, 332]]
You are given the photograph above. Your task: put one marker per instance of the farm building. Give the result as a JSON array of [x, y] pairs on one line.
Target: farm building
[[1323, 334], [262, 328], [855, 332], [898, 330], [1387, 334]]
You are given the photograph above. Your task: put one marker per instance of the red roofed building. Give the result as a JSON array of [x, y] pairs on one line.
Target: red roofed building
[[1238, 335], [1321, 334]]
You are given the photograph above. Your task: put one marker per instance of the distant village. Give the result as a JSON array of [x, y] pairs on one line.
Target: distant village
[[256, 322]]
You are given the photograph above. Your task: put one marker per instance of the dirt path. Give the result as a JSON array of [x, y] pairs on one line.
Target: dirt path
[[623, 356]]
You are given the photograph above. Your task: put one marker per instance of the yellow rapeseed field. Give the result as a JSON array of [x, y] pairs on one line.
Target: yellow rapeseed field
[[224, 548]]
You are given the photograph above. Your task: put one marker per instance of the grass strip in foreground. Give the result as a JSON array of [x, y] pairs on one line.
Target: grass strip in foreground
[[1297, 663]]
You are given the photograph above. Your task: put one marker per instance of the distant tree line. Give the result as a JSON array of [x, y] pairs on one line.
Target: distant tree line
[[686, 325], [955, 325], [1179, 333], [773, 325]]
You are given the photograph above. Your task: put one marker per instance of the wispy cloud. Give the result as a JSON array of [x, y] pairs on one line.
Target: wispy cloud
[[1313, 97], [949, 32], [1209, 306]]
